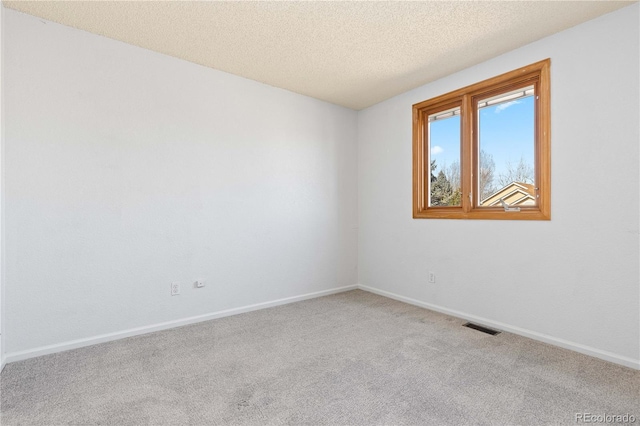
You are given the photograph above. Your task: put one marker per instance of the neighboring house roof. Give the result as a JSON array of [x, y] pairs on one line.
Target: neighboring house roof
[[514, 194]]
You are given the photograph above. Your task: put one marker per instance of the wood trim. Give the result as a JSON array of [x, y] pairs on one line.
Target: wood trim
[[537, 74], [466, 167], [544, 139], [417, 164]]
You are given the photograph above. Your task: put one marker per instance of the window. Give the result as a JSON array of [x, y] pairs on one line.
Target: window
[[483, 152]]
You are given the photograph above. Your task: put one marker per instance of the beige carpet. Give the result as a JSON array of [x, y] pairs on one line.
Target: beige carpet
[[348, 359]]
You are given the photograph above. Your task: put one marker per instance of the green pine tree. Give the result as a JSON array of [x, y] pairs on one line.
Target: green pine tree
[[441, 191]]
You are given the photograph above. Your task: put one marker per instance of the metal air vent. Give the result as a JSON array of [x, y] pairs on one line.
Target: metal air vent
[[481, 328]]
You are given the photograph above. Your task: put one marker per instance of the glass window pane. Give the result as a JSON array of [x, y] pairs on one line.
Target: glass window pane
[[506, 143], [444, 154]]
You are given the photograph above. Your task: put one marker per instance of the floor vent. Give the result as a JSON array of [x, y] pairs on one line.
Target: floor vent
[[481, 328]]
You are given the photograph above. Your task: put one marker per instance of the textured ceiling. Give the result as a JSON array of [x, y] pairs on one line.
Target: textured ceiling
[[353, 54]]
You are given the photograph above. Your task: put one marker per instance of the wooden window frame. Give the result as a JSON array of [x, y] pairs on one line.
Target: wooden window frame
[[538, 75]]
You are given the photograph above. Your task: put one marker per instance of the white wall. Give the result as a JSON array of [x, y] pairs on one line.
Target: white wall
[[573, 281], [127, 170]]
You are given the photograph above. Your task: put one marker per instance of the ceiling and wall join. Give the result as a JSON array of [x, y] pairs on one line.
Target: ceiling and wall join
[[354, 54]]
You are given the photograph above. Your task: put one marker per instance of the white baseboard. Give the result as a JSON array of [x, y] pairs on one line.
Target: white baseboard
[[577, 347], [79, 343]]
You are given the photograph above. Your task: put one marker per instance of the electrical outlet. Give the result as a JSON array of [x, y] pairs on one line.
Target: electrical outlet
[[432, 277], [198, 284], [175, 288]]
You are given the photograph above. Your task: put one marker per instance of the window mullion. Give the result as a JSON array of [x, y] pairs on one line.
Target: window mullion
[[466, 153]]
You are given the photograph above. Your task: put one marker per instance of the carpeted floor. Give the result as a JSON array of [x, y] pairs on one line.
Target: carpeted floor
[[348, 359]]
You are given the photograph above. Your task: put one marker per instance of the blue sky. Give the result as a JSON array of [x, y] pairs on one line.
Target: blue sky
[[506, 132]]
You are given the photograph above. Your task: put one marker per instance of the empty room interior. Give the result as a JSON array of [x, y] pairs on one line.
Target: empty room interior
[[320, 213]]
